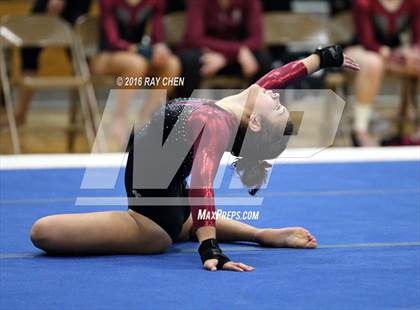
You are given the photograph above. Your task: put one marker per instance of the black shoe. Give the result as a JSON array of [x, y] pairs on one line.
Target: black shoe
[[354, 140]]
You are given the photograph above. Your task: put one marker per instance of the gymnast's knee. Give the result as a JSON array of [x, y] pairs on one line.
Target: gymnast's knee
[[42, 233]]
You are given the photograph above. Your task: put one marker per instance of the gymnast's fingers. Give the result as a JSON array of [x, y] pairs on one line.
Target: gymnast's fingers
[[245, 267], [350, 60], [237, 267], [232, 266], [350, 63], [352, 67]]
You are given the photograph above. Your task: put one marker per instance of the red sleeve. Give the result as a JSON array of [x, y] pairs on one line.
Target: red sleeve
[[283, 76], [362, 21], [109, 26], [157, 28], [416, 23], [230, 49], [208, 151]]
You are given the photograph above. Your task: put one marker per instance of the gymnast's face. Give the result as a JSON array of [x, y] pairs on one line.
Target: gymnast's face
[[268, 106]]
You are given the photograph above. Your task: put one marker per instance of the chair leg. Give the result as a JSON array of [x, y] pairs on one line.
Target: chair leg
[[87, 120], [404, 106], [414, 95], [14, 135], [73, 111], [89, 103], [347, 114], [100, 141]]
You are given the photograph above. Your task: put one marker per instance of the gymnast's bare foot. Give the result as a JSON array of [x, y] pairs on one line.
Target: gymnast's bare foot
[[291, 237]]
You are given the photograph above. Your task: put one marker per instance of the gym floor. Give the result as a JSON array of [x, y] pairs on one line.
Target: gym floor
[[364, 209]]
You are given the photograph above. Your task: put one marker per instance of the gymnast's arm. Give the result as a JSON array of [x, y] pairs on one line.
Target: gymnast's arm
[[209, 148], [298, 70], [208, 151]]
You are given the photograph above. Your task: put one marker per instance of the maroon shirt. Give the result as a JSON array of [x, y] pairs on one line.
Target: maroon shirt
[[123, 25], [377, 27], [224, 31]]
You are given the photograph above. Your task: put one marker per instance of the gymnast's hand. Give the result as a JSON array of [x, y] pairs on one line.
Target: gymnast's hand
[[211, 264], [350, 63], [213, 258], [330, 57]]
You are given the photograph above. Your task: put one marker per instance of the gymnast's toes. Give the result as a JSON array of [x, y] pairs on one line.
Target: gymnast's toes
[[312, 243], [298, 237], [291, 237]]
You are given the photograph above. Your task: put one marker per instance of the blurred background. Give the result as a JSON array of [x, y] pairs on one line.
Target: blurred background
[[59, 59]]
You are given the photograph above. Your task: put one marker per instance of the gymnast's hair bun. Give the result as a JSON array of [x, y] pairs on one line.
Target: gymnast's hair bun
[[253, 172]]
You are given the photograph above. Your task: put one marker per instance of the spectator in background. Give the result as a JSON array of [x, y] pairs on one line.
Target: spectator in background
[[222, 36], [338, 6], [379, 24], [69, 10], [175, 6], [276, 5], [127, 52]]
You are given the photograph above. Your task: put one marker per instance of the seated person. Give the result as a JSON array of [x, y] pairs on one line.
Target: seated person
[[379, 24], [175, 6], [126, 52], [275, 5], [222, 36]]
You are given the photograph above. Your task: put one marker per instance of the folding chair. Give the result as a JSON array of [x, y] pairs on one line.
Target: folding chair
[[301, 31], [88, 31], [308, 31], [341, 31], [295, 29], [47, 31], [410, 85]]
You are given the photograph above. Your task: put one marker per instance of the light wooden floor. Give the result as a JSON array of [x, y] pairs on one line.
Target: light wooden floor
[[44, 132]]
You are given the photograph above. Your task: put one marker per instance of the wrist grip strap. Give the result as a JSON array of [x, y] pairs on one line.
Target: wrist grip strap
[[331, 56], [209, 249]]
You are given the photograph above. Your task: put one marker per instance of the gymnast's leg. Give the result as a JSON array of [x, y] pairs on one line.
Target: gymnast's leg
[[99, 233], [231, 230]]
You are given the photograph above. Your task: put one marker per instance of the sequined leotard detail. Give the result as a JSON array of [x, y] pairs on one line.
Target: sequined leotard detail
[[210, 131]]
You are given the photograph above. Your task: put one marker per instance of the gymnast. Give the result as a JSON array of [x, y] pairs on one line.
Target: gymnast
[[264, 130]]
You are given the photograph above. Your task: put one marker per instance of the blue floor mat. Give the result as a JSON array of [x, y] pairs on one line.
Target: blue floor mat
[[366, 217]]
